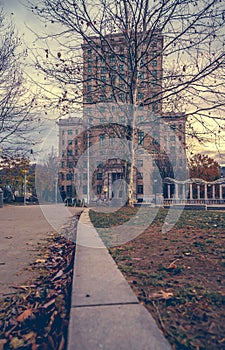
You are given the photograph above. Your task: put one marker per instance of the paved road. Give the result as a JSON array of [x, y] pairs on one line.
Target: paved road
[[21, 228]]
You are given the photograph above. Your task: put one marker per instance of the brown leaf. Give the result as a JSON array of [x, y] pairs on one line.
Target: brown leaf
[[26, 314], [46, 305], [16, 343], [59, 274], [41, 261], [161, 295]]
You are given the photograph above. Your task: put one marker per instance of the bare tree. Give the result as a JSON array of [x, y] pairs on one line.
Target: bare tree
[[171, 58], [190, 38], [17, 118]]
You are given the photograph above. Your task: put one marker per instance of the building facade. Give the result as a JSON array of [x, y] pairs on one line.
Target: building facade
[[123, 125]]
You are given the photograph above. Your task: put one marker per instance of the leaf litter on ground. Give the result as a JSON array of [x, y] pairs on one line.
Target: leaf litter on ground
[[37, 316]]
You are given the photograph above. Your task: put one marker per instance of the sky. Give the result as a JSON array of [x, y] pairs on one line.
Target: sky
[[23, 19]]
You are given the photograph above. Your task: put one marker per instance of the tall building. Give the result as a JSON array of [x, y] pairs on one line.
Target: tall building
[[94, 161]]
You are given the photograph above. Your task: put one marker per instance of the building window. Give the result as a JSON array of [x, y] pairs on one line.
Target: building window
[[69, 190], [142, 63], [89, 69], [69, 176], [172, 149], [103, 70], [140, 118], [90, 120], [63, 132], [62, 176], [121, 119], [63, 153], [70, 142], [99, 176], [140, 163], [69, 152], [85, 189], [89, 88], [140, 137], [63, 142], [69, 165], [63, 165], [89, 99], [101, 138], [89, 59], [102, 98], [121, 97], [140, 95], [70, 132], [89, 51], [173, 126], [172, 138], [84, 176], [112, 58], [111, 139], [121, 67], [140, 176], [103, 120], [122, 58], [155, 107], [103, 78], [102, 109], [89, 78], [89, 109], [154, 73], [99, 189], [154, 63], [141, 75], [85, 163], [140, 189]]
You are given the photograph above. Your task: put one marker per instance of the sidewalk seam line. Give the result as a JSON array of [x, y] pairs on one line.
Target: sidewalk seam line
[[106, 304]]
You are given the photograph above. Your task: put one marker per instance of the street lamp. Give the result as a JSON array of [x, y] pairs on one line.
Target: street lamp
[[155, 184], [25, 171]]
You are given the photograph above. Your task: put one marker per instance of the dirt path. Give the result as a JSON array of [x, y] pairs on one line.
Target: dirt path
[[21, 228]]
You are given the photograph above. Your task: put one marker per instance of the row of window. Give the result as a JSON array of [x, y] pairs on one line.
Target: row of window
[[121, 97], [70, 142], [70, 132], [120, 67]]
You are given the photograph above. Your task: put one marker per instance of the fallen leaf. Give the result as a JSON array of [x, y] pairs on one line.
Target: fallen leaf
[[16, 343], [59, 274], [26, 314], [40, 261], [162, 295], [29, 336]]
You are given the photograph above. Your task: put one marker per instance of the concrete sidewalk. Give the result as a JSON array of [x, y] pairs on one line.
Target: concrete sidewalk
[[105, 313]]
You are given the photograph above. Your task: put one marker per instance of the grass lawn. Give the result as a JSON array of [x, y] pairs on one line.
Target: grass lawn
[[177, 275]]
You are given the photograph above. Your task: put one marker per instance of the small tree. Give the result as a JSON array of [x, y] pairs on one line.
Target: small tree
[[12, 174], [203, 167], [17, 118], [46, 178]]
